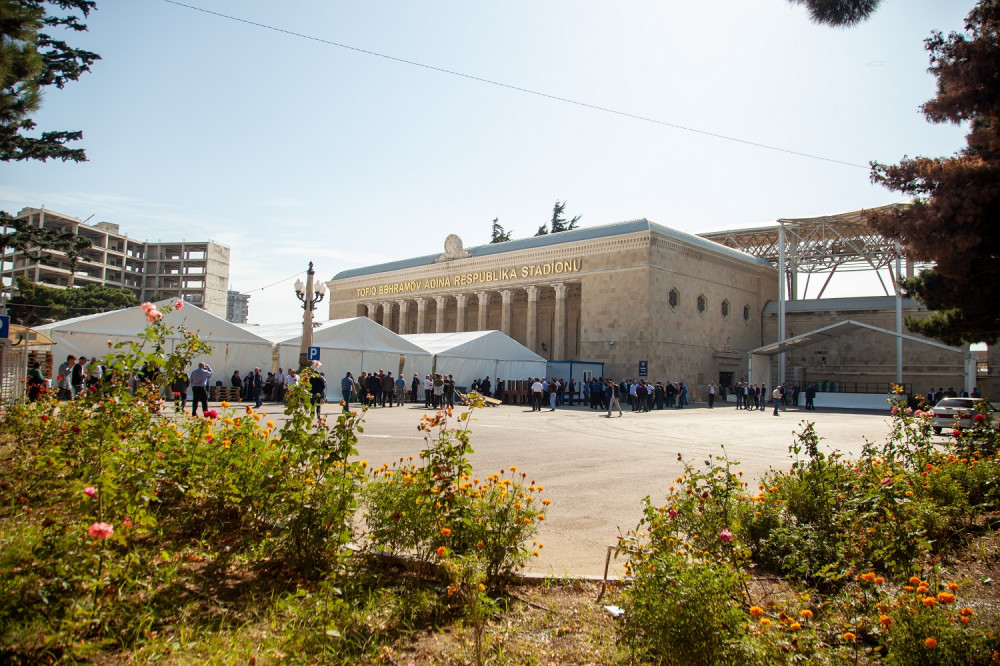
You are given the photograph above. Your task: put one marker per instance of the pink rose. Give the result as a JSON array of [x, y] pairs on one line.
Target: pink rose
[[179, 304], [672, 513], [100, 531], [894, 410], [886, 481], [90, 491], [127, 523], [725, 536]]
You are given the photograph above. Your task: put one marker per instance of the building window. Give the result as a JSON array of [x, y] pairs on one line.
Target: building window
[[746, 313], [725, 309], [702, 304], [674, 299]]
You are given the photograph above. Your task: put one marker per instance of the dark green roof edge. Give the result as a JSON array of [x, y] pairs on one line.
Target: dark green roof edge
[[588, 233]]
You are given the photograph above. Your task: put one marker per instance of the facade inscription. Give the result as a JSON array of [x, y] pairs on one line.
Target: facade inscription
[[468, 279]]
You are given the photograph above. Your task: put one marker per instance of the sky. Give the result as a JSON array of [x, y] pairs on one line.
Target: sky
[[334, 135]]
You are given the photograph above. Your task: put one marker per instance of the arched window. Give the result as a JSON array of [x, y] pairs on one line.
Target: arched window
[[725, 309], [674, 299], [702, 303], [746, 313]]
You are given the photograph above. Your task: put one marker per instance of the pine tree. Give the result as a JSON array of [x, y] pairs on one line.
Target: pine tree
[[500, 235], [30, 60], [839, 12], [953, 221]]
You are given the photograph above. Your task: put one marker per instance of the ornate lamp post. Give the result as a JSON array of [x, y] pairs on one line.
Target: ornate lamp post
[[309, 297]]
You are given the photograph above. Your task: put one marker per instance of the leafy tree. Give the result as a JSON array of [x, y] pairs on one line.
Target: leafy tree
[[35, 304], [30, 60], [953, 220], [839, 12], [558, 222], [500, 235]]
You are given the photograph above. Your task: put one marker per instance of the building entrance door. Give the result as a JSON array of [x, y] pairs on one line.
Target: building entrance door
[[726, 379]]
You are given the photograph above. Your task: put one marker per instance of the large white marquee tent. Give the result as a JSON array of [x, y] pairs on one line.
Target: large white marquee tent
[[478, 354], [356, 344], [233, 347]]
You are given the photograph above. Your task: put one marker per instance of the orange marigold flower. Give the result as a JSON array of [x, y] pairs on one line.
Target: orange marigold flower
[[756, 611], [908, 588], [806, 613], [868, 577], [445, 531], [965, 619], [879, 580], [946, 597], [849, 637], [441, 551], [930, 602], [479, 544], [764, 622], [966, 612], [953, 586], [795, 626], [541, 516], [931, 643], [914, 581], [886, 621]]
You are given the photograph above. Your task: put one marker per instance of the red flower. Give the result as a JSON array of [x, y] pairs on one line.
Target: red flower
[[956, 433], [979, 418]]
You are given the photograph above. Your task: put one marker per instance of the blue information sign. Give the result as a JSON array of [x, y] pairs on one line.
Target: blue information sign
[[312, 354], [4, 327], [643, 368]]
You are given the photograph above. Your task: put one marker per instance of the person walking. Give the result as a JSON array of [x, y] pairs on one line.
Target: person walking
[[199, 388], [614, 402], [317, 387], [346, 388], [64, 378], [257, 388], [36, 382], [711, 395], [553, 394], [179, 388], [776, 396], [414, 387], [400, 390]]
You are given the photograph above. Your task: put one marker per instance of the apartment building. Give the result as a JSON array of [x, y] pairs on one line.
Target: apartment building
[[237, 307], [197, 272]]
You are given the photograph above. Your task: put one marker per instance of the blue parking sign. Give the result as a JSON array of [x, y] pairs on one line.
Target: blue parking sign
[[312, 354]]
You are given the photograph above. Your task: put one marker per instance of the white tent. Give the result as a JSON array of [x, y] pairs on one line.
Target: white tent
[[233, 347], [479, 354], [356, 344]]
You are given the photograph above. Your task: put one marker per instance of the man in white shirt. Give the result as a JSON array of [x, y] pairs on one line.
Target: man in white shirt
[[536, 395]]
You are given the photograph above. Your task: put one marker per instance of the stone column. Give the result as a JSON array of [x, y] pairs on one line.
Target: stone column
[[404, 311], [441, 302], [371, 305], [461, 300], [387, 314], [421, 314], [532, 329], [484, 307], [559, 330], [507, 297]]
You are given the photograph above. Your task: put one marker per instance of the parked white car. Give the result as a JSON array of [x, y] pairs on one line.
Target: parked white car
[[956, 413]]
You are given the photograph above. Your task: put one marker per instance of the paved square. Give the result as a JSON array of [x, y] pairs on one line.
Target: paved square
[[597, 470]]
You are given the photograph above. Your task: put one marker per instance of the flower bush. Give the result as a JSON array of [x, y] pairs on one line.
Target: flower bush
[[850, 530], [436, 509]]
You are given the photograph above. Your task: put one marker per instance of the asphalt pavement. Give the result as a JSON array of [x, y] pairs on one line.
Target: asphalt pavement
[[597, 470]]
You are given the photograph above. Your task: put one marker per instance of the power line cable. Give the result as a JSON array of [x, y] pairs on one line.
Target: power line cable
[[509, 86]]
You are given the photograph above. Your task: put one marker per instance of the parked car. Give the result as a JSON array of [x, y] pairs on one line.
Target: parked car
[[956, 413]]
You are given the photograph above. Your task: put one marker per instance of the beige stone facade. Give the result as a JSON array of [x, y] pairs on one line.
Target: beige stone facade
[[861, 361], [620, 294]]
